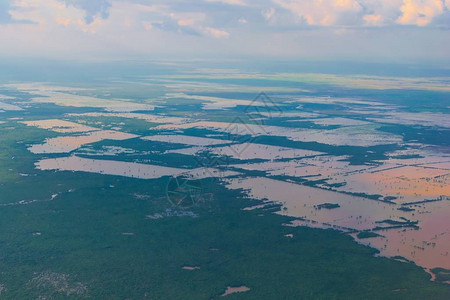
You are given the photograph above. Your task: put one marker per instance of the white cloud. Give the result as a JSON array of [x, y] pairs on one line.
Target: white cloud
[[216, 33], [368, 12], [272, 27], [322, 12], [268, 13], [231, 2], [420, 12], [373, 20]]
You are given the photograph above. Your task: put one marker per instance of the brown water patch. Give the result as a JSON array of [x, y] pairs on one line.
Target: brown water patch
[[60, 126], [66, 144], [232, 290], [421, 235], [126, 169], [365, 135], [407, 183]]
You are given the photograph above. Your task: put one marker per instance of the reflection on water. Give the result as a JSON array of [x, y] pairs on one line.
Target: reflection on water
[[126, 169], [7, 106], [66, 144], [247, 151], [138, 116], [67, 97], [408, 183], [319, 167], [407, 225], [60, 126], [238, 289], [424, 118], [363, 135], [426, 242], [211, 102]]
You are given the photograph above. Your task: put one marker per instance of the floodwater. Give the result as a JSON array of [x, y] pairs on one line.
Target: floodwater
[[337, 121], [364, 135], [242, 151], [126, 169], [424, 176], [357, 213], [60, 126], [66, 97], [232, 290], [407, 183], [211, 102], [128, 115], [246, 151], [66, 144], [6, 106], [107, 151], [424, 119], [319, 166], [429, 246]]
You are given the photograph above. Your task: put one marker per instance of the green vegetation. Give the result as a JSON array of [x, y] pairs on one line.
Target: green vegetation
[[366, 235], [405, 208], [251, 250], [442, 275], [327, 206], [73, 235]]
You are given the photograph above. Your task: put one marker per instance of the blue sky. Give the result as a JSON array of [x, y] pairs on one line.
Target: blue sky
[[371, 30]]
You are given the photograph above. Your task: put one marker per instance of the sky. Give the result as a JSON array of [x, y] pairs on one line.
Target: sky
[[365, 30]]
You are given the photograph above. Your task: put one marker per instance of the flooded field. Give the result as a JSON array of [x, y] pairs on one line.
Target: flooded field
[[126, 169], [151, 118], [66, 144], [406, 183], [67, 97], [212, 102], [7, 106], [364, 136], [318, 167], [232, 290], [226, 186], [225, 149], [400, 202], [421, 235], [424, 119], [61, 126]]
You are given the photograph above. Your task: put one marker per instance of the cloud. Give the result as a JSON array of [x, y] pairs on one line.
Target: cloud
[[5, 14], [307, 28], [93, 8], [268, 13], [421, 12], [231, 2], [323, 12], [44, 12], [216, 33], [373, 20], [366, 12]]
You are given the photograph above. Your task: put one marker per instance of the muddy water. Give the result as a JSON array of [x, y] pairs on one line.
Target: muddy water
[[60, 126], [126, 169], [232, 290], [356, 213], [66, 144], [365, 135]]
